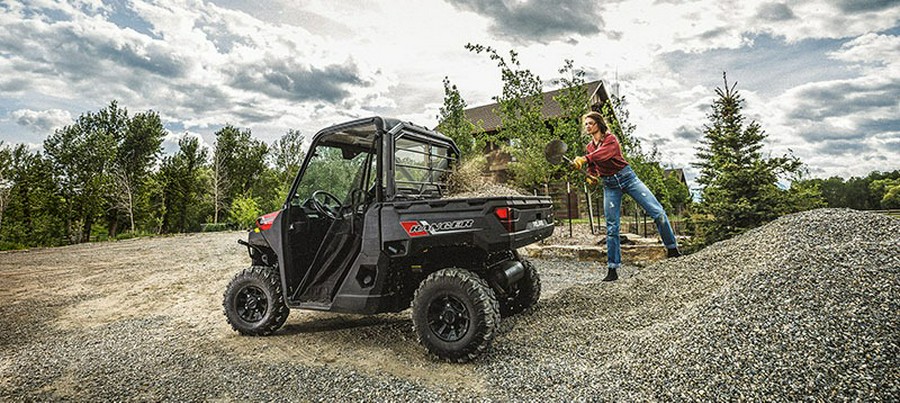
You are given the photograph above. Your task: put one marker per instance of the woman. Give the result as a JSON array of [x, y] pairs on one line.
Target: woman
[[604, 160]]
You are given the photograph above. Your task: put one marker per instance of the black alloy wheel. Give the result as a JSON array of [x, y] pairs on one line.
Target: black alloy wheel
[[251, 304], [448, 318], [455, 314]]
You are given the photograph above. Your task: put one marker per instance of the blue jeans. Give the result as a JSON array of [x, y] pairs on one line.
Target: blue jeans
[[625, 181]]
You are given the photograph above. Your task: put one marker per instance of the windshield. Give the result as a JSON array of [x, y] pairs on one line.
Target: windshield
[[340, 163]]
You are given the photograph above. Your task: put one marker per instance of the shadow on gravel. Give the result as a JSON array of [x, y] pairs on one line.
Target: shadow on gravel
[[317, 325], [31, 320]]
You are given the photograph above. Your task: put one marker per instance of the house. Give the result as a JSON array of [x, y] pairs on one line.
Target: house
[[551, 109], [678, 172], [497, 159], [490, 123]]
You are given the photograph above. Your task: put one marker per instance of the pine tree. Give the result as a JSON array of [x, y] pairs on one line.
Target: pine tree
[[740, 189]]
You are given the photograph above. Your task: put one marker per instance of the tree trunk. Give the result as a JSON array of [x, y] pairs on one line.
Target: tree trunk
[[26, 210], [131, 217], [86, 230], [182, 217], [113, 229]]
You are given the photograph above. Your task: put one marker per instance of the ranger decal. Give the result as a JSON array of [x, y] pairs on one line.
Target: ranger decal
[[423, 228]]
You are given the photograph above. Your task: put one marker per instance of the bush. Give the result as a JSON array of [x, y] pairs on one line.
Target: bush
[[244, 211], [216, 227], [6, 245]]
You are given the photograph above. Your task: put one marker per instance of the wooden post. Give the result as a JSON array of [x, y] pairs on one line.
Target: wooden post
[[569, 205], [590, 209]]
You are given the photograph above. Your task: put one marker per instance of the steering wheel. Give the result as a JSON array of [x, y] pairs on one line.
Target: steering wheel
[[323, 208]]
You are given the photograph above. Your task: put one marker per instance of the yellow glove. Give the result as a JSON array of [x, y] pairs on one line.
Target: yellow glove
[[591, 180], [578, 162]]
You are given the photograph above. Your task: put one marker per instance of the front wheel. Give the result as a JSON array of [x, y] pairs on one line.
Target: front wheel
[[254, 305], [455, 314]]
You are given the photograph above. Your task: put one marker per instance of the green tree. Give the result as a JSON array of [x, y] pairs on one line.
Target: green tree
[[891, 199], [219, 184], [740, 189], [155, 187], [244, 211], [138, 149], [801, 196], [865, 193], [455, 124], [573, 101], [887, 191], [243, 160], [857, 194], [327, 170], [523, 132], [287, 155], [6, 182], [679, 196], [833, 191], [82, 155], [183, 187], [33, 214]]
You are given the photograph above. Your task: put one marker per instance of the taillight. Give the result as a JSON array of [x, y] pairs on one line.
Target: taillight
[[507, 216], [502, 213]]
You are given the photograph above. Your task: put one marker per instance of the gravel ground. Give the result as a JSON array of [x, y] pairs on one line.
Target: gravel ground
[[803, 308]]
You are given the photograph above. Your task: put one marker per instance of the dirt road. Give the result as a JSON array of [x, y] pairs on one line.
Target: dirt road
[[740, 320], [176, 283]]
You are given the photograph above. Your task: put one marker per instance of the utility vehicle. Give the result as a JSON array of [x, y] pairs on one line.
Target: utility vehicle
[[367, 228]]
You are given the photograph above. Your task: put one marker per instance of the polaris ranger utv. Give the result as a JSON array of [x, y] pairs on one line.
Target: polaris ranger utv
[[366, 229]]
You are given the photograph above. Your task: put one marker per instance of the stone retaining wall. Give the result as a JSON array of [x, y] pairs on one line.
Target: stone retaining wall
[[630, 253]]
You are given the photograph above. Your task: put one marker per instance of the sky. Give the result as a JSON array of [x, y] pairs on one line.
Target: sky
[[822, 77]]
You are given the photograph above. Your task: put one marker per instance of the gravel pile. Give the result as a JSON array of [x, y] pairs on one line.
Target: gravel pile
[[467, 181], [803, 308], [488, 190]]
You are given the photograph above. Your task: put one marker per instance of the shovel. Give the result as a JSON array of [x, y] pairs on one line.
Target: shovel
[[555, 152]]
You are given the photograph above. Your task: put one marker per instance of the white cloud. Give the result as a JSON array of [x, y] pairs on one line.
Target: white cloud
[[880, 51], [308, 64], [170, 142], [41, 121], [825, 19]]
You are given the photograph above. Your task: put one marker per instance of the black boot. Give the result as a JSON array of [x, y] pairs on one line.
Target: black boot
[[611, 275], [670, 253]]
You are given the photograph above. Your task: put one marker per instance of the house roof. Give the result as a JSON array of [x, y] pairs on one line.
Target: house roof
[[678, 172], [551, 109]]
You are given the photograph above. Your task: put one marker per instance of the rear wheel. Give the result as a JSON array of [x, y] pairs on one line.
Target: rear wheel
[[253, 302], [455, 314], [525, 294]]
